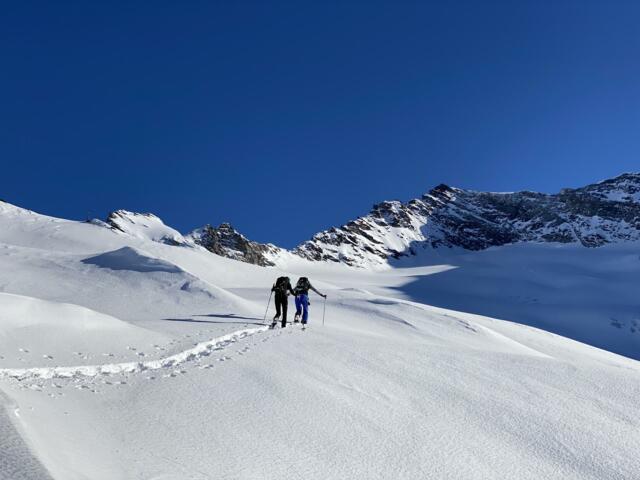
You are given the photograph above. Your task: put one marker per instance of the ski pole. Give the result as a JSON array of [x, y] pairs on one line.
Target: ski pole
[[267, 310], [324, 310]]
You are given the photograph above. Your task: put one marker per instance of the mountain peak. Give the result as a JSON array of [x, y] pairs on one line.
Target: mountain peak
[[144, 226], [623, 188], [445, 217], [226, 241], [594, 215], [626, 176], [442, 189]]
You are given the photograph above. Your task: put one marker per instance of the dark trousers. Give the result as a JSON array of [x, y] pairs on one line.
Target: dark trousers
[[282, 302]]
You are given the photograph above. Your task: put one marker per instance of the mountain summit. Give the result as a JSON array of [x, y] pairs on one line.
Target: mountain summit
[[226, 241], [445, 217], [601, 213]]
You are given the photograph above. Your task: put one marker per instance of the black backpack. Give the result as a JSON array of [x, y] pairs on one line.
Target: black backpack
[[303, 285], [281, 284]]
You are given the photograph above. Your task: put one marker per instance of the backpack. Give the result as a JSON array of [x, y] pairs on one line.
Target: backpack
[[281, 284], [302, 286]]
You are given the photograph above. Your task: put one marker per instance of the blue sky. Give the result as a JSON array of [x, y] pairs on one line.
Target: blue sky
[[287, 118]]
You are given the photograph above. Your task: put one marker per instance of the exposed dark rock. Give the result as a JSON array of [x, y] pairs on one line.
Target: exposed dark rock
[[594, 216], [227, 242], [445, 217]]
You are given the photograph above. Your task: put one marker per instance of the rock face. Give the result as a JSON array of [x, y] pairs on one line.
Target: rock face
[[223, 240], [445, 217], [594, 215], [228, 242]]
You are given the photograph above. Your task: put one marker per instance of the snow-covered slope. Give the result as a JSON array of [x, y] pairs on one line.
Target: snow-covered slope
[[595, 215], [144, 226], [70, 331], [590, 295], [223, 240], [125, 357], [24, 228]]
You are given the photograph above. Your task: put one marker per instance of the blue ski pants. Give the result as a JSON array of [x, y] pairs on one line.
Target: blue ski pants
[[302, 306]]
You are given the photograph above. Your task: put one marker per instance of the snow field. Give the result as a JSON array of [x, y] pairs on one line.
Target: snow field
[[142, 360], [202, 349]]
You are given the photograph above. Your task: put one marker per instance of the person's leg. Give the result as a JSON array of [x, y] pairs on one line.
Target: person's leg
[[278, 304], [298, 305], [285, 306], [305, 308], [277, 315]]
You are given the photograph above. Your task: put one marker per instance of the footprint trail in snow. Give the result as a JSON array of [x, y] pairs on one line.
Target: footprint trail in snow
[[200, 350]]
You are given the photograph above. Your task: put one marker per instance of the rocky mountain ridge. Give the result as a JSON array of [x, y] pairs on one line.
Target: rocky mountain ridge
[[223, 240], [600, 213], [226, 241], [445, 217]]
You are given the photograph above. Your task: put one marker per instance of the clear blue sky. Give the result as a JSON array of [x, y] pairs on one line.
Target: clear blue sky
[[287, 118]]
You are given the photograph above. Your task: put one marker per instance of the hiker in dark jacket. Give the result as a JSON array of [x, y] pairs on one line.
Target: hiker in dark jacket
[[282, 288], [302, 299]]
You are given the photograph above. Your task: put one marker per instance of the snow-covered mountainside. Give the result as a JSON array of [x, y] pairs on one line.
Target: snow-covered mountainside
[[223, 240], [228, 242], [143, 226], [591, 216], [124, 356]]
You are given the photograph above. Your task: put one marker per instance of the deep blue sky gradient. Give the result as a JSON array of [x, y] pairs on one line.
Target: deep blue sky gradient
[[287, 118]]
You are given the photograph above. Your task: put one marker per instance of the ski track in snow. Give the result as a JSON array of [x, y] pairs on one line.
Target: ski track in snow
[[202, 349]]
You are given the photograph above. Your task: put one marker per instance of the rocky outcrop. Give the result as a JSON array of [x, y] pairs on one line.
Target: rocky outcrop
[[445, 217], [593, 216], [228, 242]]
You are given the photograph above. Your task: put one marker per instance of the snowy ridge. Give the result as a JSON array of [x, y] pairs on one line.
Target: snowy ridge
[[145, 226], [9, 210], [624, 188], [593, 216], [202, 349], [18, 312]]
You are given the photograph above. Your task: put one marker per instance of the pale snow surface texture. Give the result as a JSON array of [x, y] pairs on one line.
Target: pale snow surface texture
[[128, 354]]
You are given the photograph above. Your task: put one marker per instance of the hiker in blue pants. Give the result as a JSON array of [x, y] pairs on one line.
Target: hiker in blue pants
[[302, 299]]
